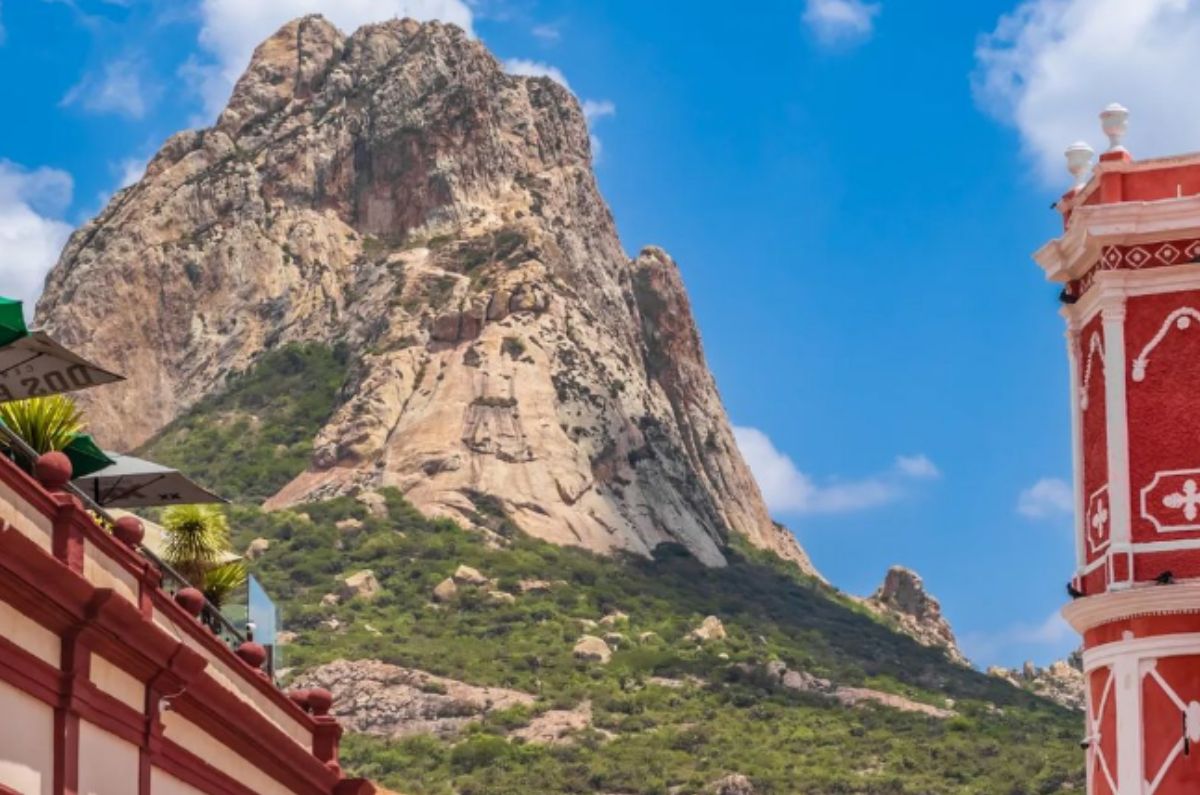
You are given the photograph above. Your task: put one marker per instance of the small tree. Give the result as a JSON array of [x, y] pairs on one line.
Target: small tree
[[45, 423], [197, 538], [223, 580]]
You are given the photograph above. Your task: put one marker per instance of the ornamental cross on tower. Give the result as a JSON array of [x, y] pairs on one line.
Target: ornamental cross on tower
[[1128, 262]]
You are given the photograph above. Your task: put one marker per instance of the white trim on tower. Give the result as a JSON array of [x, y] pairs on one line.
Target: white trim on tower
[[1076, 444], [1112, 315]]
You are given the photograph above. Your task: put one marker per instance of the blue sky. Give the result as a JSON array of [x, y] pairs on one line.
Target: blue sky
[[852, 190]]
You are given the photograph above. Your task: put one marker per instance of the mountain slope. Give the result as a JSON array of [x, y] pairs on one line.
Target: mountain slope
[[397, 193], [808, 691]]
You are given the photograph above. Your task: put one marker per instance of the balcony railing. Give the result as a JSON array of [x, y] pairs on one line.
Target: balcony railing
[[172, 581]]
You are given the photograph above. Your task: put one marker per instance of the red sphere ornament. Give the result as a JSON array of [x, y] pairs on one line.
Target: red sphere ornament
[[191, 600], [253, 654], [320, 700], [299, 698], [53, 470], [129, 530]]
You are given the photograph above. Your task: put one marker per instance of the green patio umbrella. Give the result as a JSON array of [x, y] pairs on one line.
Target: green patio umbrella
[[12, 321], [86, 457]]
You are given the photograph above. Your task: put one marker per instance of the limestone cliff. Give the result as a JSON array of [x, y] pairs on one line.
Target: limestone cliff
[[395, 191]]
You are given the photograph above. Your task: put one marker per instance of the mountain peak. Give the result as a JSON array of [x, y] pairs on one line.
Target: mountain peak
[[396, 193]]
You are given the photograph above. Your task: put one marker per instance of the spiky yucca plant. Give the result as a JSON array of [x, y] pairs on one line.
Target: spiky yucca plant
[[45, 423], [196, 537], [223, 580]]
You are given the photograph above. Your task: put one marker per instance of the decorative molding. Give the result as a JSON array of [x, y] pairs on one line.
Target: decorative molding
[[1186, 500], [1098, 521], [1094, 226], [1095, 346], [1150, 600], [1182, 319]]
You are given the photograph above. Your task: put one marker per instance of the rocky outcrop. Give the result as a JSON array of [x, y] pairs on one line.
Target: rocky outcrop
[[710, 628], [805, 682], [397, 192], [591, 648], [360, 585], [445, 591], [902, 598], [1062, 682], [385, 700], [733, 784]]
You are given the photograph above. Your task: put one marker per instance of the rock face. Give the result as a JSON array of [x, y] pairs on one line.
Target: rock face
[[903, 598], [376, 698], [397, 192], [1062, 682]]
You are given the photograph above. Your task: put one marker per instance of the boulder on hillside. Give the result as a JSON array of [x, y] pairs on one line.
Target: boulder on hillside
[[710, 628], [348, 526], [733, 784], [534, 586], [257, 548], [614, 618], [465, 575], [359, 585], [445, 591], [589, 647], [501, 597]]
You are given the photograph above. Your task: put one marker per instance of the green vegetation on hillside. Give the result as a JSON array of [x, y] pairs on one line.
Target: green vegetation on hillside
[[726, 716], [1003, 741], [246, 442]]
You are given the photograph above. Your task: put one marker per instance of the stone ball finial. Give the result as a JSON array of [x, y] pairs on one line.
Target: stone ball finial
[[299, 697], [53, 470], [1114, 120], [320, 701], [190, 599], [1079, 161], [129, 531], [253, 654]]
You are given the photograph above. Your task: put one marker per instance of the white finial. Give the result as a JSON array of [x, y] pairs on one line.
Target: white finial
[[1079, 161], [1115, 121]]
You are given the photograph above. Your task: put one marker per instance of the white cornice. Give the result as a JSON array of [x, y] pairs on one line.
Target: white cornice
[[1097, 225], [1110, 286], [1150, 600]]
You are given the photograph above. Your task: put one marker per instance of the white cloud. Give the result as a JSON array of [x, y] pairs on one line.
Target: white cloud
[[917, 466], [118, 88], [523, 67], [1050, 66], [1046, 498], [837, 22], [1056, 637], [231, 29], [594, 109], [31, 236], [547, 33], [788, 490]]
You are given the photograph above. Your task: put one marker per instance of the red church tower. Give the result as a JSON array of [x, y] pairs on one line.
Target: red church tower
[[1129, 263]]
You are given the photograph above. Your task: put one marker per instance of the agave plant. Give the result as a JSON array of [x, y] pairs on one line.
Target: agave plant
[[196, 538], [223, 580], [45, 423]]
